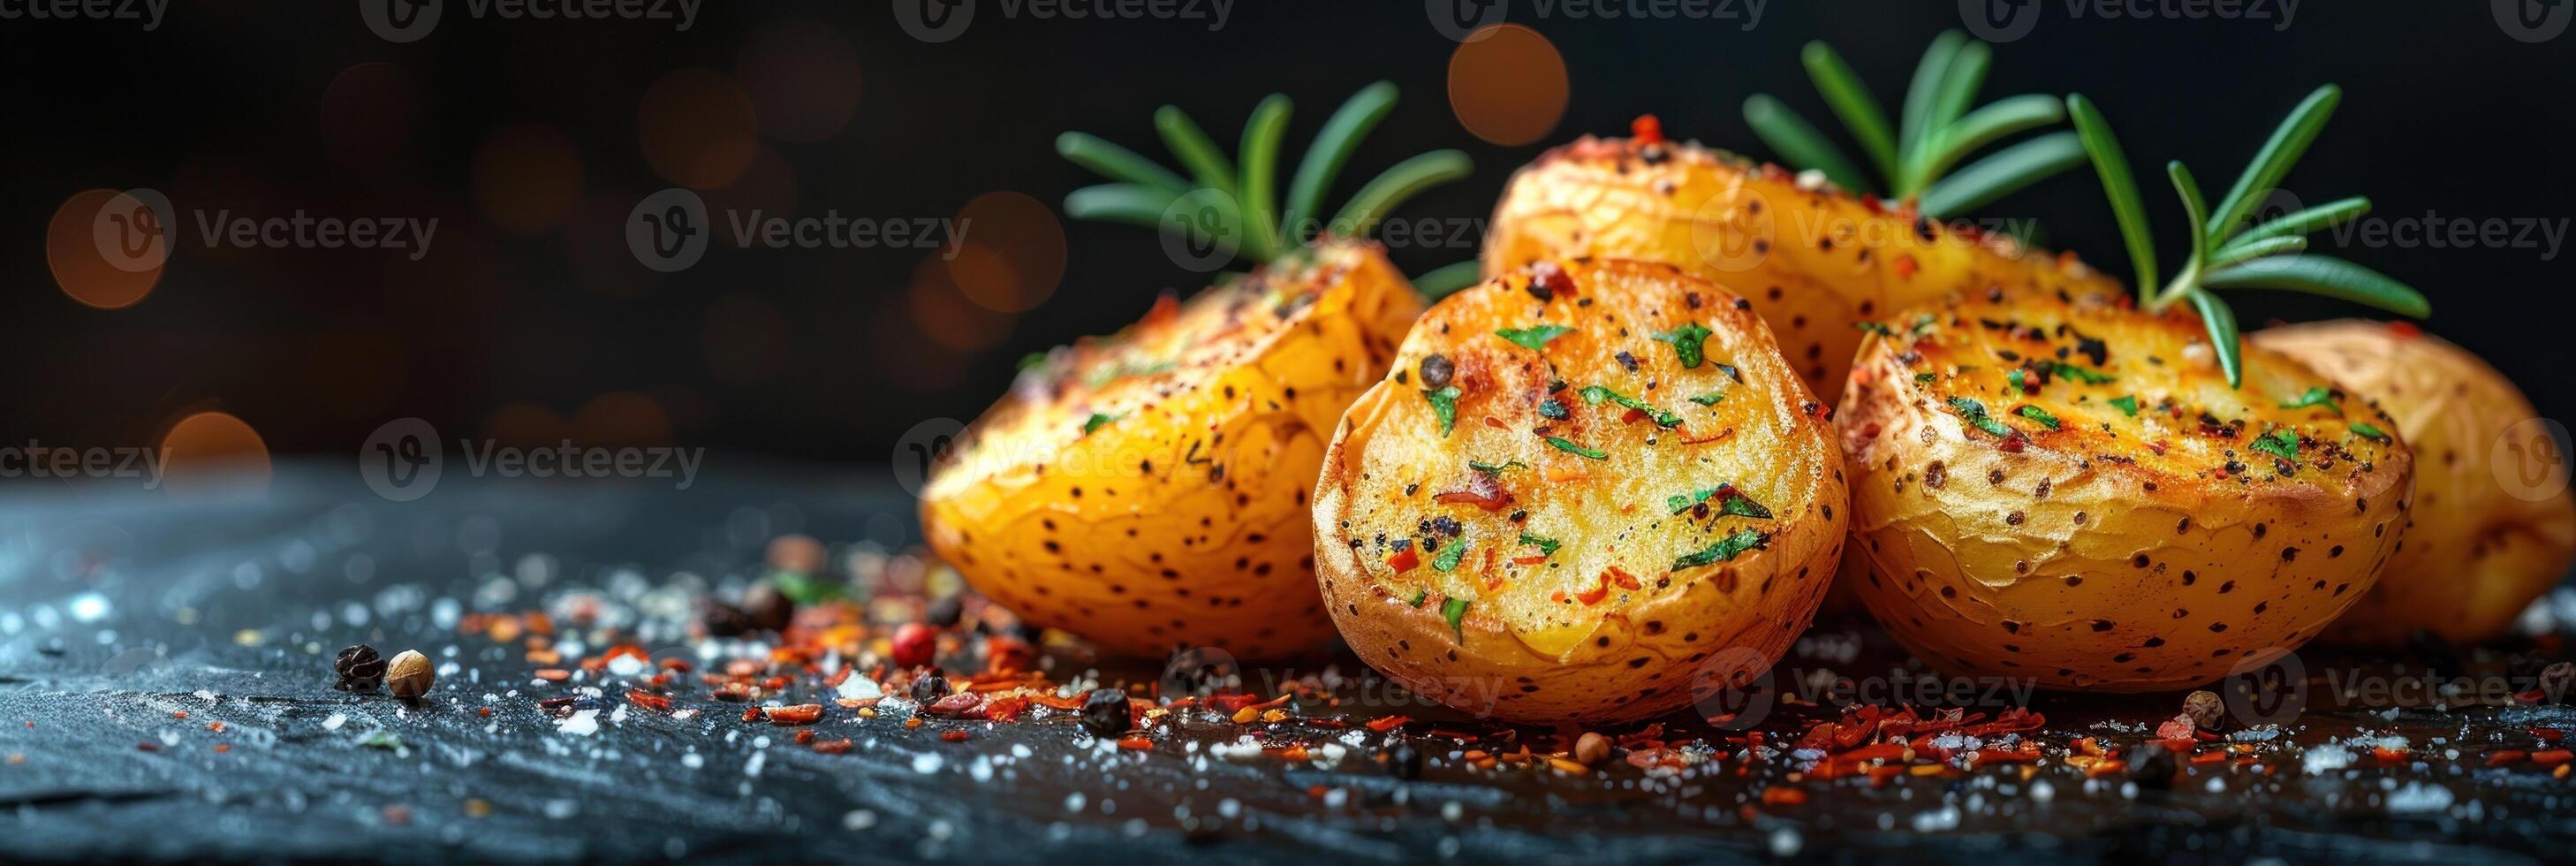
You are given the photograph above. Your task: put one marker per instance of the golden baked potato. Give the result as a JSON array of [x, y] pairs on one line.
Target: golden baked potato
[[1814, 260], [2478, 547], [2069, 492], [1149, 490], [1587, 489]]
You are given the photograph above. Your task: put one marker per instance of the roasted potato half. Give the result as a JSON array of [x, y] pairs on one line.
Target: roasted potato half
[[2482, 540], [2068, 492], [1588, 491], [1814, 260], [1149, 490]]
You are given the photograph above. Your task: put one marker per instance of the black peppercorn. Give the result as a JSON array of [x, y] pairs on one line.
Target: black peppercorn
[[929, 687], [1436, 370], [360, 669], [1403, 760], [725, 620], [945, 612], [1106, 712], [767, 608], [2152, 766]]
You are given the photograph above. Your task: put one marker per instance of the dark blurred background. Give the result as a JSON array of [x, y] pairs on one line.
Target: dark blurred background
[[528, 320]]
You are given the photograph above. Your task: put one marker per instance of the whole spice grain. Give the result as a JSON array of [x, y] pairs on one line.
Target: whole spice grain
[[2152, 766], [1105, 712], [409, 675], [945, 611], [1591, 749], [2207, 712], [725, 620], [360, 668], [2555, 681], [768, 609], [929, 687], [915, 644]]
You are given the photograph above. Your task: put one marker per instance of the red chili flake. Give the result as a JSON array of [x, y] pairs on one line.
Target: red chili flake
[[2405, 330], [1781, 796], [1646, 129], [1549, 276], [2552, 758], [834, 747], [1403, 560], [2176, 728], [180, 714], [2007, 756], [751, 714], [2387, 755], [2550, 734], [148, 747], [801, 714], [486, 712], [680, 665], [1594, 595], [805, 736], [2011, 444], [1005, 709], [1383, 724], [648, 700], [1906, 266], [221, 748], [217, 727], [1625, 580], [2508, 756], [553, 675], [1482, 491], [1136, 744], [956, 704]]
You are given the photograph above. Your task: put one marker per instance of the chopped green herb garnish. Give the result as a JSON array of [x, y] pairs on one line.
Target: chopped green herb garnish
[[1923, 323], [1447, 560], [1100, 418], [1534, 337], [2127, 404], [2279, 443], [1709, 399], [2318, 395], [2090, 377], [1033, 360], [2370, 432], [1418, 596], [2019, 379], [2037, 414], [1455, 611], [1975, 414], [1726, 549], [1546, 546], [1496, 468], [1738, 504], [1123, 369], [1876, 328], [1578, 450], [1594, 394], [1444, 405], [1687, 342], [1926, 378]]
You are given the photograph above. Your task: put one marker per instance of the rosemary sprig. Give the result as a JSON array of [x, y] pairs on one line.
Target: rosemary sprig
[[2229, 250], [1243, 194], [1937, 131]]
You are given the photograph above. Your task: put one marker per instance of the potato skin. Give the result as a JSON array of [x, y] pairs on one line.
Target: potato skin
[[2475, 554], [1180, 519], [1814, 261], [2115, 552], [1615, 622]]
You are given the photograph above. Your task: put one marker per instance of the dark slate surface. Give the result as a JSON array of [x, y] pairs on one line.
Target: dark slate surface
[[118, 611]]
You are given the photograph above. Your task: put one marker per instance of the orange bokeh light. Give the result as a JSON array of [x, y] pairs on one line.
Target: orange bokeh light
[[698, 128], [81, 268], [621, 419], [526, 177], [803, 79], [1011, 252], [213, 455], [945, 315], [525, 425], [1507, 84]]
